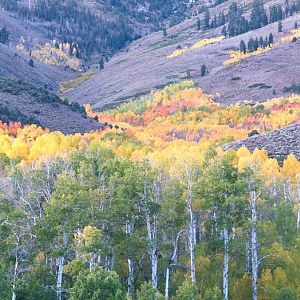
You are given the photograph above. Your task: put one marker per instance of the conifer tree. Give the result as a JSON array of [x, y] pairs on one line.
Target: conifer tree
[[279, 26], [271, 40], [198, 24], [224, 31], [243, 47], [203, 70], [206, 19], [251, 45], [256, 44]]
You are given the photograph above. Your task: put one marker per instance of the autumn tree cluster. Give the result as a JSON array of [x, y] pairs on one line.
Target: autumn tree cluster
[[144, 210]]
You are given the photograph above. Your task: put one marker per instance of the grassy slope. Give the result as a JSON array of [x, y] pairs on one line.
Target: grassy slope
[[144, 66], [22, 102]]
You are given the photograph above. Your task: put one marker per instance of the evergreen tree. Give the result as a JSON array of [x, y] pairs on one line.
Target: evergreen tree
[[203, 70], [279, 13], [221, 19], [224, 31], [243, 47], [261, 42], [198, 24], [4, 35], [271, 40], [165, 33], [279, 26], [256, 44], [251, 45], [258, 17], [206, 19], [101, 63]]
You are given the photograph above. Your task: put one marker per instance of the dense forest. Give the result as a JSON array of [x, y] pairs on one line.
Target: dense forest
[[151, 207]]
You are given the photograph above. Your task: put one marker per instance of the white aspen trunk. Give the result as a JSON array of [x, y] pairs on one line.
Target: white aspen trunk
[[167, 283], [92, 263], [173, 259], [247, 262], [130, 281], [226, 264], [152, 235], [14, 295], [191, 233], [254, 245], [60, 265]]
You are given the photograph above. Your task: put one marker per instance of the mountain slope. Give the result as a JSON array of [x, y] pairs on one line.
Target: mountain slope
[[22, 102], [279, 143], [144, 66], [14, 64]]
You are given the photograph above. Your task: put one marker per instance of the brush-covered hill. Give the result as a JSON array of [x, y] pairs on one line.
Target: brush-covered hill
[[15, 65], [97, 27], [24, 103], [157, 60], [279, 143]]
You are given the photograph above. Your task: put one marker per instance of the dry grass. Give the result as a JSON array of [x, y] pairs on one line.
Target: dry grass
[[74, 83], [198, 45]]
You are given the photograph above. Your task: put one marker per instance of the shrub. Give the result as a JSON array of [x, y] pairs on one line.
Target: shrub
[[100, 284], [31, 63]]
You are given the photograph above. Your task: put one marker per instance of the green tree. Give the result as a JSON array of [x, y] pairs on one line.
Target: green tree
[[224, 31], [251, 45], [4, 35], [203, 70], [101, 63], [100, 284], [243, 47], [187, 291], [279, 26], [198, 24], [271, 39]]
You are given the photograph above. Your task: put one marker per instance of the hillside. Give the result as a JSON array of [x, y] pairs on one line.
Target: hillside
[[257, 78], [279, 143], [15, 65], [97, 27], [22, 102]]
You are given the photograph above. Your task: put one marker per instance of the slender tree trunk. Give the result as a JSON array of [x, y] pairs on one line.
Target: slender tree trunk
[[173, 259], [167, 283], [191, 232], [60, 266], [248, 254], [14, 295], [254, 245], [226, 264], [152, 239], [130, 281]]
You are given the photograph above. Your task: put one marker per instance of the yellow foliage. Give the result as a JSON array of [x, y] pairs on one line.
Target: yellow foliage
[[291, 169], [49, 54], [197, 45]]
